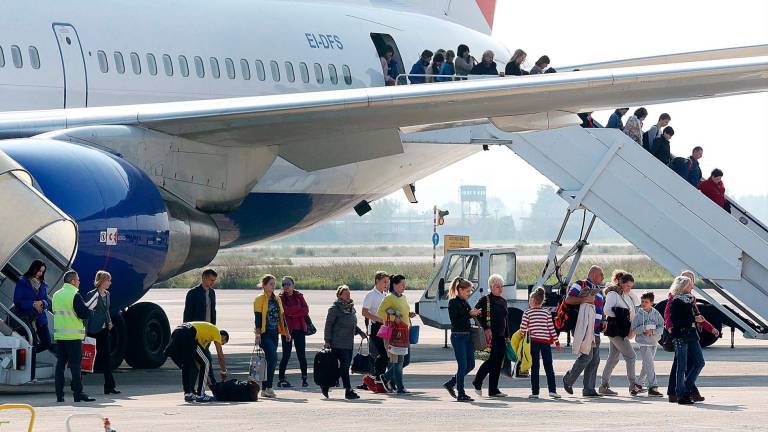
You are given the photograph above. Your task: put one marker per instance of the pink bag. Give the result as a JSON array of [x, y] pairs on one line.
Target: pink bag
[[385, 331]]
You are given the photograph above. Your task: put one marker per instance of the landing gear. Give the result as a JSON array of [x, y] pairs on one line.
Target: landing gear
[[118, 341], [148, 335]]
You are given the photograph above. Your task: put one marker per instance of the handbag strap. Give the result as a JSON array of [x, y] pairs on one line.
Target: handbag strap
[[488, 310]]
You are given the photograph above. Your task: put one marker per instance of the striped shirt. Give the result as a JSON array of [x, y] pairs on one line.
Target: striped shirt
[[599, 300], [538, 323]]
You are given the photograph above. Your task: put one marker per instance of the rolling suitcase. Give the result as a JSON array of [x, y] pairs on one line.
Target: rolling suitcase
[[326, 373]]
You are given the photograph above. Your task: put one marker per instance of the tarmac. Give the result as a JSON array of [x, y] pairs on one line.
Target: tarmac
[[734, 382]]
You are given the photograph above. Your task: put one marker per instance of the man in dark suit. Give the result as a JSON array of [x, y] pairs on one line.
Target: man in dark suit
[[200, 304]]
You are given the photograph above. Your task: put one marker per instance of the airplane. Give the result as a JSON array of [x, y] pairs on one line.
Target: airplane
[[160, 141]]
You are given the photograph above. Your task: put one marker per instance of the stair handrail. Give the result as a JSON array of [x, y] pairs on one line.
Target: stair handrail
[[23, 324]]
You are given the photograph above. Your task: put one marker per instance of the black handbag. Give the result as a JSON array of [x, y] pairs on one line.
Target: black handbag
[[667, 342], [362, 363], [311, 329]]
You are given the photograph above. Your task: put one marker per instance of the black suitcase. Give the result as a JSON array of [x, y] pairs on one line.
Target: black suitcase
[[234, 390], [326, 371]]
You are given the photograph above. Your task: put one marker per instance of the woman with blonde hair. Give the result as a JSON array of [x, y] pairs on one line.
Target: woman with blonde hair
[[99, 325], [269, 318], [690, 359], [493, 318], [461, 315], [514, 67]]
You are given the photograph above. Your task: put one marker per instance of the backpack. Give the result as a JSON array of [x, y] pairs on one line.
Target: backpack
[[566, 315], [646, 141], [326, 372], [234, 390]]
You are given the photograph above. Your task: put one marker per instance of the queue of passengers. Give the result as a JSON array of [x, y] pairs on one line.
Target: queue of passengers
[[656, 140], [447, 65]]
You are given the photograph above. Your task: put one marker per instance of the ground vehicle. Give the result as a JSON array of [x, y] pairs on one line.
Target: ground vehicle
[[475, 265]]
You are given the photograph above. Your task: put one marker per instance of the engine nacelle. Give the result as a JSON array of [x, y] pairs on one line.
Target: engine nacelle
[[127, 226]]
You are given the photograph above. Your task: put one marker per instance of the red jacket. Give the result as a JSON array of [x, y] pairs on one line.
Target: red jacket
[[296, 311], [714, 191]]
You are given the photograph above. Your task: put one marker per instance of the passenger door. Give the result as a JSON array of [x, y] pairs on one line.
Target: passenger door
[[73, 66]]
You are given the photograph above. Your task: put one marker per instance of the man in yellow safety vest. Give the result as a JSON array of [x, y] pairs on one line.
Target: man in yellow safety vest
[[69, 311]]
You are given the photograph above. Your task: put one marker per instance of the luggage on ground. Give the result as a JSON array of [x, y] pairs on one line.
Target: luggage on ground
[[234, 390]]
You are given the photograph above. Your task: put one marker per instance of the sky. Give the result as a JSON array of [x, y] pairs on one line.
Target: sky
[[733, 130]]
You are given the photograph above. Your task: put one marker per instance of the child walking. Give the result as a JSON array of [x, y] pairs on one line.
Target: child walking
[[648, 326], [537, 322]]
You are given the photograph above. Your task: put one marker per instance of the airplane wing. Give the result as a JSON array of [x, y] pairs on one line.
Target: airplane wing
[[325, 129]]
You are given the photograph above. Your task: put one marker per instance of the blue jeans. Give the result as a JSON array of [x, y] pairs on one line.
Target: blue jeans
[[688, 352], [543, 350], [269, 345], [465, 359], [345, 360], [395, 373]]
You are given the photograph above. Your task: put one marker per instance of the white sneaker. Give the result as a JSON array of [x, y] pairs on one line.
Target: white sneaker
[[268, 393], [554, 395], [479, 392], [533, 396]]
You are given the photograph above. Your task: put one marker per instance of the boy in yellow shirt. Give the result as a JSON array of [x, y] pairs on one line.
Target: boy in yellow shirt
[[187, 349]]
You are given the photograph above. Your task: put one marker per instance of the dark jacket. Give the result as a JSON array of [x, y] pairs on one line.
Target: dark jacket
[[458, 311], [683, 317], [498, 323], [100, 316], [23, 297], [615, 121], [418, 68], [514, 69], [588, 123], [694, 172], [483, 69], [682, 166], [618, 325], [194, 306], [341, 327], [660, 149]]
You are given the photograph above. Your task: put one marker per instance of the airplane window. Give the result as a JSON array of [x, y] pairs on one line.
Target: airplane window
[[16, 55], [304, 70], [260, 71], [245, 69], [332, 74], [103, 65], [275, 70], [119, 63], [199, 67], [230, 67], [2, 57], [319, 73], [136, 63], [347, 74], [168, 64], [34, 57], [152, 64], [183, 66], [215, 71], [289, 74]]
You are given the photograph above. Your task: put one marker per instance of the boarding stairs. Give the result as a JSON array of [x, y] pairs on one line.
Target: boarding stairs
[[614, 178], [32, 228]]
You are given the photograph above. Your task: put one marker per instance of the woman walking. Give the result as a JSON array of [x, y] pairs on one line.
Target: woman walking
[[269, 318], [620, 309], [461, 315], [340, 329], [395, 307], [493, 317], [296, 313], [537, 323], [99, 325], [685, 336], [30, 301]]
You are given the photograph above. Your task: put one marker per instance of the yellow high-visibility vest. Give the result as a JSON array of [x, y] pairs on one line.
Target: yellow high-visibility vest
[[66, 324]]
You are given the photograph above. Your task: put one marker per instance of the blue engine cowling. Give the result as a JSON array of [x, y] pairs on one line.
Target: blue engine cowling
[[157, 237]]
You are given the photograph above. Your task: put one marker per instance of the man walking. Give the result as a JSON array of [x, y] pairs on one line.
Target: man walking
[[655, 131], [371, 305], [694, 170], [588, 294], [69, 311]]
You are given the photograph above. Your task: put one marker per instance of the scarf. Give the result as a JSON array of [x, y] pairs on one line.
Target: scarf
[[686, 298], [347, 308], [35, 282]]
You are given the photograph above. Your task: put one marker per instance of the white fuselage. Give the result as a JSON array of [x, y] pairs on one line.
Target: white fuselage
[[100, 54]]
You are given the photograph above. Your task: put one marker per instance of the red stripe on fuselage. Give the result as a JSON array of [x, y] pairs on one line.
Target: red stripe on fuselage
[[488, 7]]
